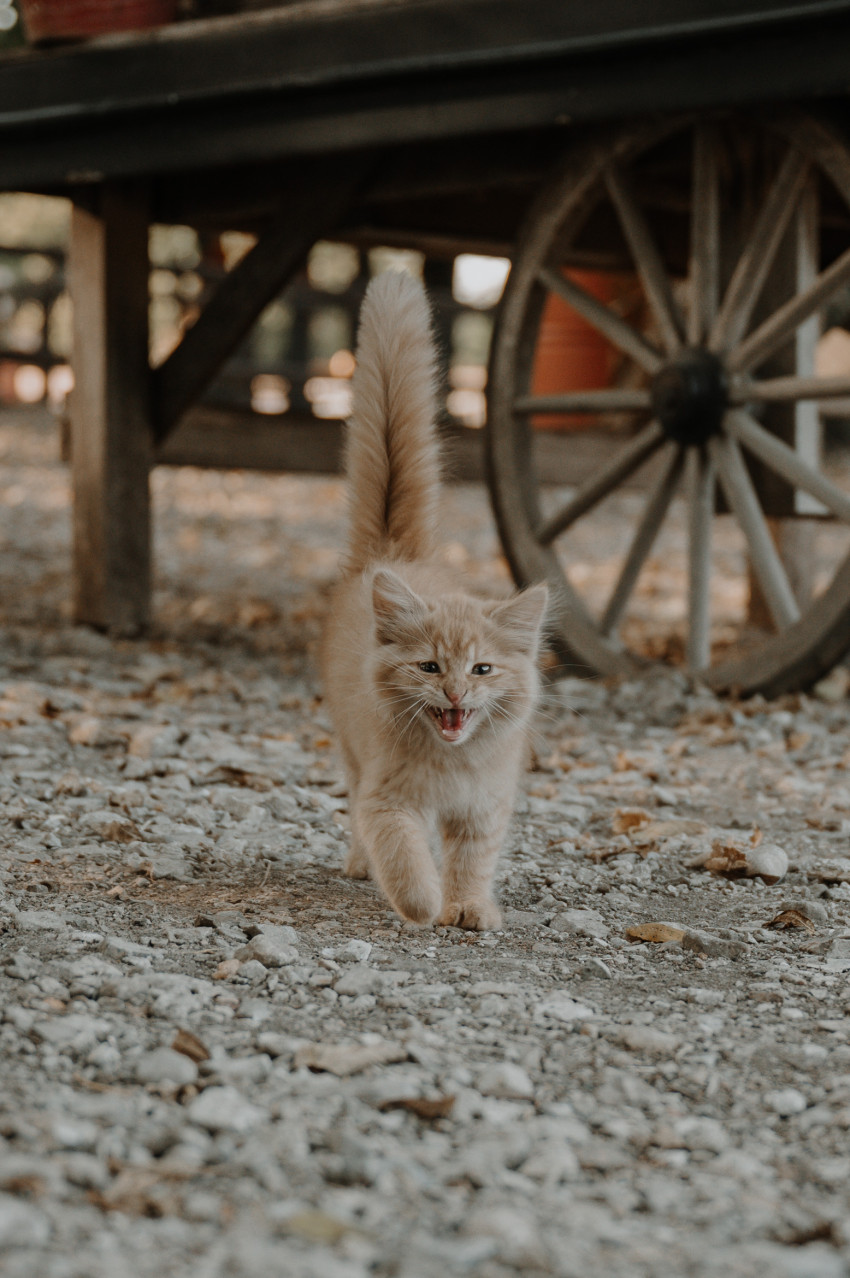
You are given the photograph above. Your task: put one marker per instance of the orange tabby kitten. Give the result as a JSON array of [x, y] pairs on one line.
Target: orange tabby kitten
[[430, 687]]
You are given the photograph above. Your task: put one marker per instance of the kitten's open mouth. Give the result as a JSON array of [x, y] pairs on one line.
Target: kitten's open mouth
[[451, 723]]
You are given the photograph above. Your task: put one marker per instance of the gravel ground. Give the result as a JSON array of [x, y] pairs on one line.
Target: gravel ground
[[221, 1058]]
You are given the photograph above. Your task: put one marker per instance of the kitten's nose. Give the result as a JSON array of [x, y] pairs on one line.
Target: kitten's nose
[[455, 697]]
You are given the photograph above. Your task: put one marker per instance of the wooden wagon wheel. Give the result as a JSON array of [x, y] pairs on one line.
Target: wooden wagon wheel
[[698, 391]]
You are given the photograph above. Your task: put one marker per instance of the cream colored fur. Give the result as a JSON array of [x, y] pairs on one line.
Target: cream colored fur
[[432, 756]]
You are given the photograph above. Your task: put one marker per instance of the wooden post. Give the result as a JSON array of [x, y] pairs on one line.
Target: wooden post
[[110, 409]]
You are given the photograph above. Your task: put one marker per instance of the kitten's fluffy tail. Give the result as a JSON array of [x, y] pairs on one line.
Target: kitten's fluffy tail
[[392, 454]]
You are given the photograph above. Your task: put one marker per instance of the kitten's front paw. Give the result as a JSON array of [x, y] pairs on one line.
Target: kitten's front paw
[[478, 916], [356, 864], [418, 904]]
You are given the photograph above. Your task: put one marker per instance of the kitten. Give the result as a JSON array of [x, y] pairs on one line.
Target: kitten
[[430, 687]]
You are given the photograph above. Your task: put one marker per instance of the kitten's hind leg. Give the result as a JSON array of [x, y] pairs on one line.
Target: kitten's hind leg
[[469, 861], [400, 859]]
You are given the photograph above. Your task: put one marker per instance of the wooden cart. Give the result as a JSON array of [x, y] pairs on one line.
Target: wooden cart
[[699, 148]]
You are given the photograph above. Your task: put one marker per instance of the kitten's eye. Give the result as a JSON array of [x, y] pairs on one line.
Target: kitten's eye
[[481, 668], [429, 667]]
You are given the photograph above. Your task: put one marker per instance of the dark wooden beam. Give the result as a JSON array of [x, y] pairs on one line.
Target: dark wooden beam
[[315, 207], [311, 47], [231, 438], [109, 409]]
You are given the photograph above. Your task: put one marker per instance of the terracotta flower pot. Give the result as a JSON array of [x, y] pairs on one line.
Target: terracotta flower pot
[[46, 20], [571, 354]]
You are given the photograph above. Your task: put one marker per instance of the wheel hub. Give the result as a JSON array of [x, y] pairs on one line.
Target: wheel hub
[[689, 396]]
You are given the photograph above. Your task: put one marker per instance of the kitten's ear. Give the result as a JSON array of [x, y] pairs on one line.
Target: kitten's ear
[[520, 619], [398, 609]]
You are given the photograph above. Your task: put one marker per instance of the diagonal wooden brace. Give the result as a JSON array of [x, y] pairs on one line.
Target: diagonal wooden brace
[[311, 212]]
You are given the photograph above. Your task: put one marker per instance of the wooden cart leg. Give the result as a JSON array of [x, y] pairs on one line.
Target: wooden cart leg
[[110, 410], [797, 424]]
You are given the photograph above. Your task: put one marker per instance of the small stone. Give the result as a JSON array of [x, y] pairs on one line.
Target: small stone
[[280, 933], [254, 972], [224, 1109], [834, 686], [89, 730], [506, 1080], [360, 980], [154, 740], [22, 965], [595, 967], [256, 1010], [348, 1058], [769, 862], [111, 826], [643, 1038], [696, 1132], [121, 947], [712, 946], [76, 1033], [21, 1224], [86, 1170], [74, 1133], [227, 969], [785, 1101], [164, 1065], [580, 923], [814, 910], [39, 920], [353, 951], [268, 950], [560, 1006]]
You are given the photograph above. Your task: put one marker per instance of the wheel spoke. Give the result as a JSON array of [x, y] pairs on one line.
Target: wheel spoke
[[647, 259], [589, 401], [776, 330], [781, 390], [602, 318], [647, 530], [626, 461], [701, 486], [741, 496], [757, 258], [788, 463], [705, 236]]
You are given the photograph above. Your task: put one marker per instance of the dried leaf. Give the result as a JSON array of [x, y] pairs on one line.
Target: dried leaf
[[440, 1107], [837, 871], [625, 820], [792, 918], [727, 860], [189, 1045], [137, 1191], [239, 776], [597, 855], [655, 932], [751, 858], [26, 1185]]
